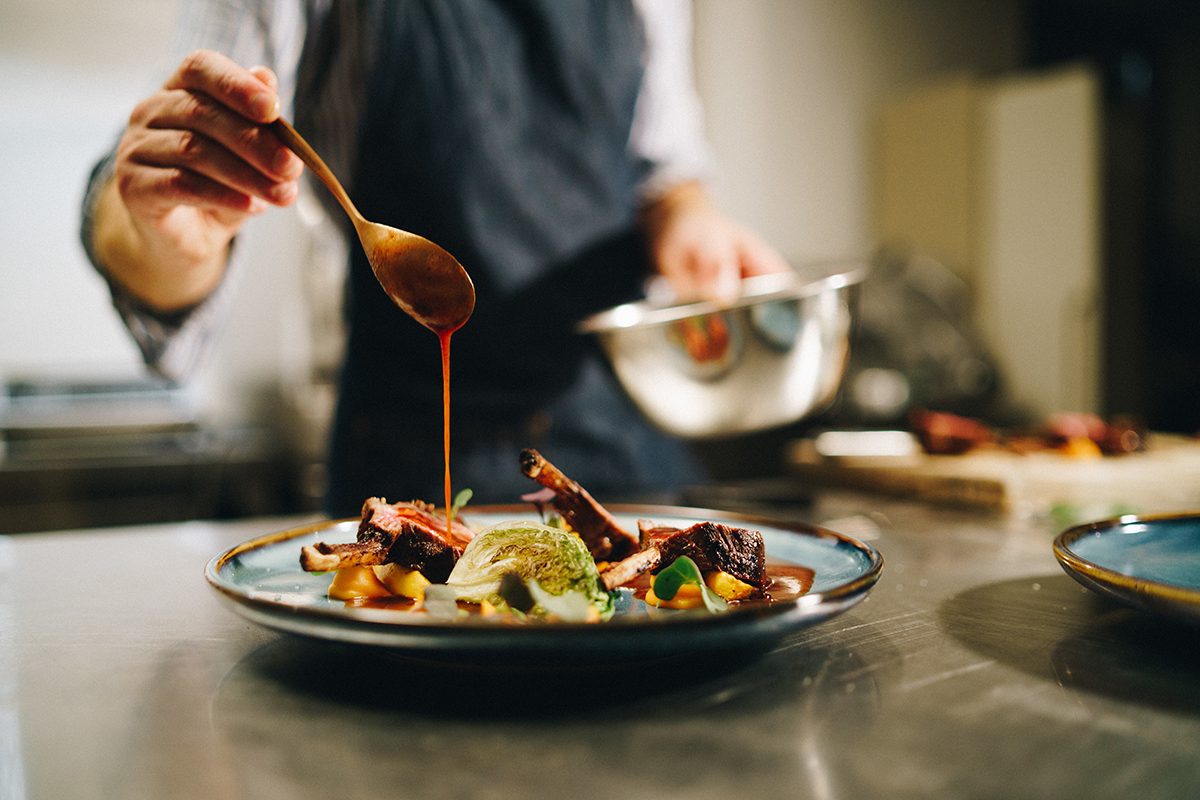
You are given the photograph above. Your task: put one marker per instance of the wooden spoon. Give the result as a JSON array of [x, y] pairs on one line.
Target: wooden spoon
[[420, 277]]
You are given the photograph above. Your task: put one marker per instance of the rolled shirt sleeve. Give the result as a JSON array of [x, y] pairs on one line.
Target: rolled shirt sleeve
[[668, 128]]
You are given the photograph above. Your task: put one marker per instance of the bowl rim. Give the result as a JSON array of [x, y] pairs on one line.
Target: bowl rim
[[797, 284]]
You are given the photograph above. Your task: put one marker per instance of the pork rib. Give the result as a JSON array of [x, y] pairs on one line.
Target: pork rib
[[599, 530], [409, 535]]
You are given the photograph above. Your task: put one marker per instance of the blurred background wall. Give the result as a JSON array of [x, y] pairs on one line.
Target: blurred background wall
[[1042, 151], [793, 91]]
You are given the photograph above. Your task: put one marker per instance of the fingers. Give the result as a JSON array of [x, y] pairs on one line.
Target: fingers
[[242, 91], [697, 271], [200, 140], [157, 178], [716, 270], [700, 256], [207, 105], [704, 255], [265, 75], [756, 257], [191, 133]]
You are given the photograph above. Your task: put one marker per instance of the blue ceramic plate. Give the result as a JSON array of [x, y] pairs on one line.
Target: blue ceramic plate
[[1152, 562], [262, 581]]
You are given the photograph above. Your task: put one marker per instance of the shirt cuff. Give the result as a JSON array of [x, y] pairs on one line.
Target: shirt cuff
[[172, 343]]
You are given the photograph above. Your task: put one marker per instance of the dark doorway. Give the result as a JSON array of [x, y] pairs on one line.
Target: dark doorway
[[1148, 55]]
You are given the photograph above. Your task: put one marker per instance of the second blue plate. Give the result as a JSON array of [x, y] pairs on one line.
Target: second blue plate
[[1151, 563]]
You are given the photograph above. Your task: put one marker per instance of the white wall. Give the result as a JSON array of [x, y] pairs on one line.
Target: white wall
[[70, 71], [1038, 269], [792, 90], [53, 307]]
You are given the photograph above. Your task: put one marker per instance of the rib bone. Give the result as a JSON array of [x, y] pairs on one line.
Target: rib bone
[[599, 530]]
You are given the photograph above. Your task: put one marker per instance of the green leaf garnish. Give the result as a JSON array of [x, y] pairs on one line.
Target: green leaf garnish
[[460, 500], [684, 570]]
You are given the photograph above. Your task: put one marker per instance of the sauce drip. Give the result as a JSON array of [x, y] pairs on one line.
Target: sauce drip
[[444, 339]]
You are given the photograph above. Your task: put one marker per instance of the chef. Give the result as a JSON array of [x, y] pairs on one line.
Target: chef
[[554, 147]]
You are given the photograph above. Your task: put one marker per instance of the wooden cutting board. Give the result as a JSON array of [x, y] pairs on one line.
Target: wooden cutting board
[[1163, 478]]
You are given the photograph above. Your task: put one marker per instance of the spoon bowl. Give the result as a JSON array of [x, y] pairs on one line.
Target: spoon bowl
[[422, 278]]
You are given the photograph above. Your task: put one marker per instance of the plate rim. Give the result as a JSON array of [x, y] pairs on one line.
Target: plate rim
[[1143, 592], [834, 599]]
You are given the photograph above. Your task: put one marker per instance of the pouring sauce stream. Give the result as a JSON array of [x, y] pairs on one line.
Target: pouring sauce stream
[[444, 339]]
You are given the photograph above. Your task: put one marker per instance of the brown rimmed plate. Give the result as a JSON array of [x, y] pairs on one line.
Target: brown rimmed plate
[[1148, 562]]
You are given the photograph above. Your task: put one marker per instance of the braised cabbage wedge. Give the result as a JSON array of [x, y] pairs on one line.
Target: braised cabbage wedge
[[554, 560]]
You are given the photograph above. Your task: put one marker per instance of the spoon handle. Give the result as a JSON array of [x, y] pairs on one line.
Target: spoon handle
[[295, 142]]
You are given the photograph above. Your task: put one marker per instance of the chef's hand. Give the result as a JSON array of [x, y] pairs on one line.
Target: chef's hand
[[195, 162], [699, 250]]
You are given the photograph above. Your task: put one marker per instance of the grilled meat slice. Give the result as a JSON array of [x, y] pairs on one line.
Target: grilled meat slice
[[606, 540], [379, 515], [736, 551], [407, 534]]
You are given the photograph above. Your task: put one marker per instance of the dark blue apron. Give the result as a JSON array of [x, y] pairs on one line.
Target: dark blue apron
[[499, 130]]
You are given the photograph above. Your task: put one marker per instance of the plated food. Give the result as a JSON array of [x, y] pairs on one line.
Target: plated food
[[816, 574], [568, 566]]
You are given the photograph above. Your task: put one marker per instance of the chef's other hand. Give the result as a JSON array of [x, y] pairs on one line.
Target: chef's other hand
[[195, 162], [701, 252]]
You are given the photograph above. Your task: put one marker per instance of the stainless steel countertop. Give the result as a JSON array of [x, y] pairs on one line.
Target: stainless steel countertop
[[975, 668]]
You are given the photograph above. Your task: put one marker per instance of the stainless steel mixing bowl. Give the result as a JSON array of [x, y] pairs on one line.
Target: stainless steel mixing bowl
[[707, 370]]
